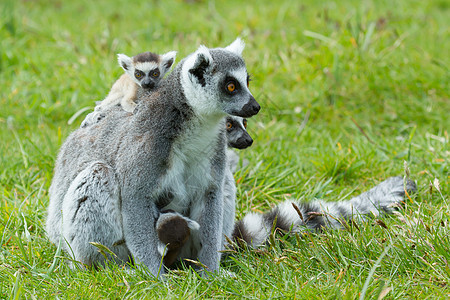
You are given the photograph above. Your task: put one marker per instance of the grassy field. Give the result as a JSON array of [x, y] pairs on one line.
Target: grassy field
[[351, 91]]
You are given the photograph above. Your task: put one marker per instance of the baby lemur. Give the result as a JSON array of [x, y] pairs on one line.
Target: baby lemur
[[143, 70], [174, 229]]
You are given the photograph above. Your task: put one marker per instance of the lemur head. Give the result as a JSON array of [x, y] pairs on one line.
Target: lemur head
[[237, 135], [215, 81], [147, 69], [174, 229]]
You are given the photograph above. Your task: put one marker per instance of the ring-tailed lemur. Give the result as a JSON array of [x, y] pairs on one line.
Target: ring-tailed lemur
[[174, 229], [254, 229], [112, 180], [144, 70]]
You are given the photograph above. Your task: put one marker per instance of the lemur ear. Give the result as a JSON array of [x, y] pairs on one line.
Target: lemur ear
[[124, 61], [202, 61], [236, 47], [168, 59]]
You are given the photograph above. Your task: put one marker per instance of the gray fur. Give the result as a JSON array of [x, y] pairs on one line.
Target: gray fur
[[170, 150], [254, 229], [96, 195], [237, 137]]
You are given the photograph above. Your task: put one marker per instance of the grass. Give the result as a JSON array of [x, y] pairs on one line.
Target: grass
[[350, 90]]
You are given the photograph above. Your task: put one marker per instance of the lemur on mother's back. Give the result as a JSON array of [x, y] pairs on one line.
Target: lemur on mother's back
[[142, 71]]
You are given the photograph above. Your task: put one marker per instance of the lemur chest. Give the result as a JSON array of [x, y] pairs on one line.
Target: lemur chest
[[190, 174], [186, 182]]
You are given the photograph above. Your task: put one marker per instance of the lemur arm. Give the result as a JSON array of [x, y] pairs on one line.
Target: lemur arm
[[139, 217], [139, 211], [211, 225]]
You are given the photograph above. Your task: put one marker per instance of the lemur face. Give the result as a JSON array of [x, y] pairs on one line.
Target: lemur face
[[236, 96], [216, 81], [237, 135], [147, 74], [147, 69]]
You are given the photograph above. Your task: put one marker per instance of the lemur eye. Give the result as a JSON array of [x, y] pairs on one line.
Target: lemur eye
[[245, 123], [229, 125], [231, 86], [155, 73], [138, 74]]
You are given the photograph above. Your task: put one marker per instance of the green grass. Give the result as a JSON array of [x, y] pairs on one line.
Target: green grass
[[349, 90]]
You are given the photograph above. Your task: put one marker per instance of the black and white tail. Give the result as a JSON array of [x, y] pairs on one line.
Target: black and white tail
[[254, 229]]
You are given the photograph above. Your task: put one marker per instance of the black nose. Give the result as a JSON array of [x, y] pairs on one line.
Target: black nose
[[251, 108], [248, 142], [148, 85], [242, 142]]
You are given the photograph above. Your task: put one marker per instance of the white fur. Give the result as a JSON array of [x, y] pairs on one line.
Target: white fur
[[229, 205], [168, 215], [188, 167], [146, 66], [240, 121], [241, 76], [124, 60], [203, 101], [255, 225], [162, 249], [287, 212], [191, 59], [188, 178], [236, 47], [167, 57]]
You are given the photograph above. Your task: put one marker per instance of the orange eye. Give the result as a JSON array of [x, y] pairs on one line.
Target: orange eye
[[229, 125], [245, 123], [155, 73], [231, 87], [138, 74]]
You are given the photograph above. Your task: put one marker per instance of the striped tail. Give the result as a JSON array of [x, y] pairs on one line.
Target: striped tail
[[254, 229]]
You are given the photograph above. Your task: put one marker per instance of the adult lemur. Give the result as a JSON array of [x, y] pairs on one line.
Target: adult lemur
[[112, 178]]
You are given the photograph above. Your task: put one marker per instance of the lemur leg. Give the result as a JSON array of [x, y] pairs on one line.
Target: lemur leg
[[92, 213], [229, 207], [128, 99], [211, 229]]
